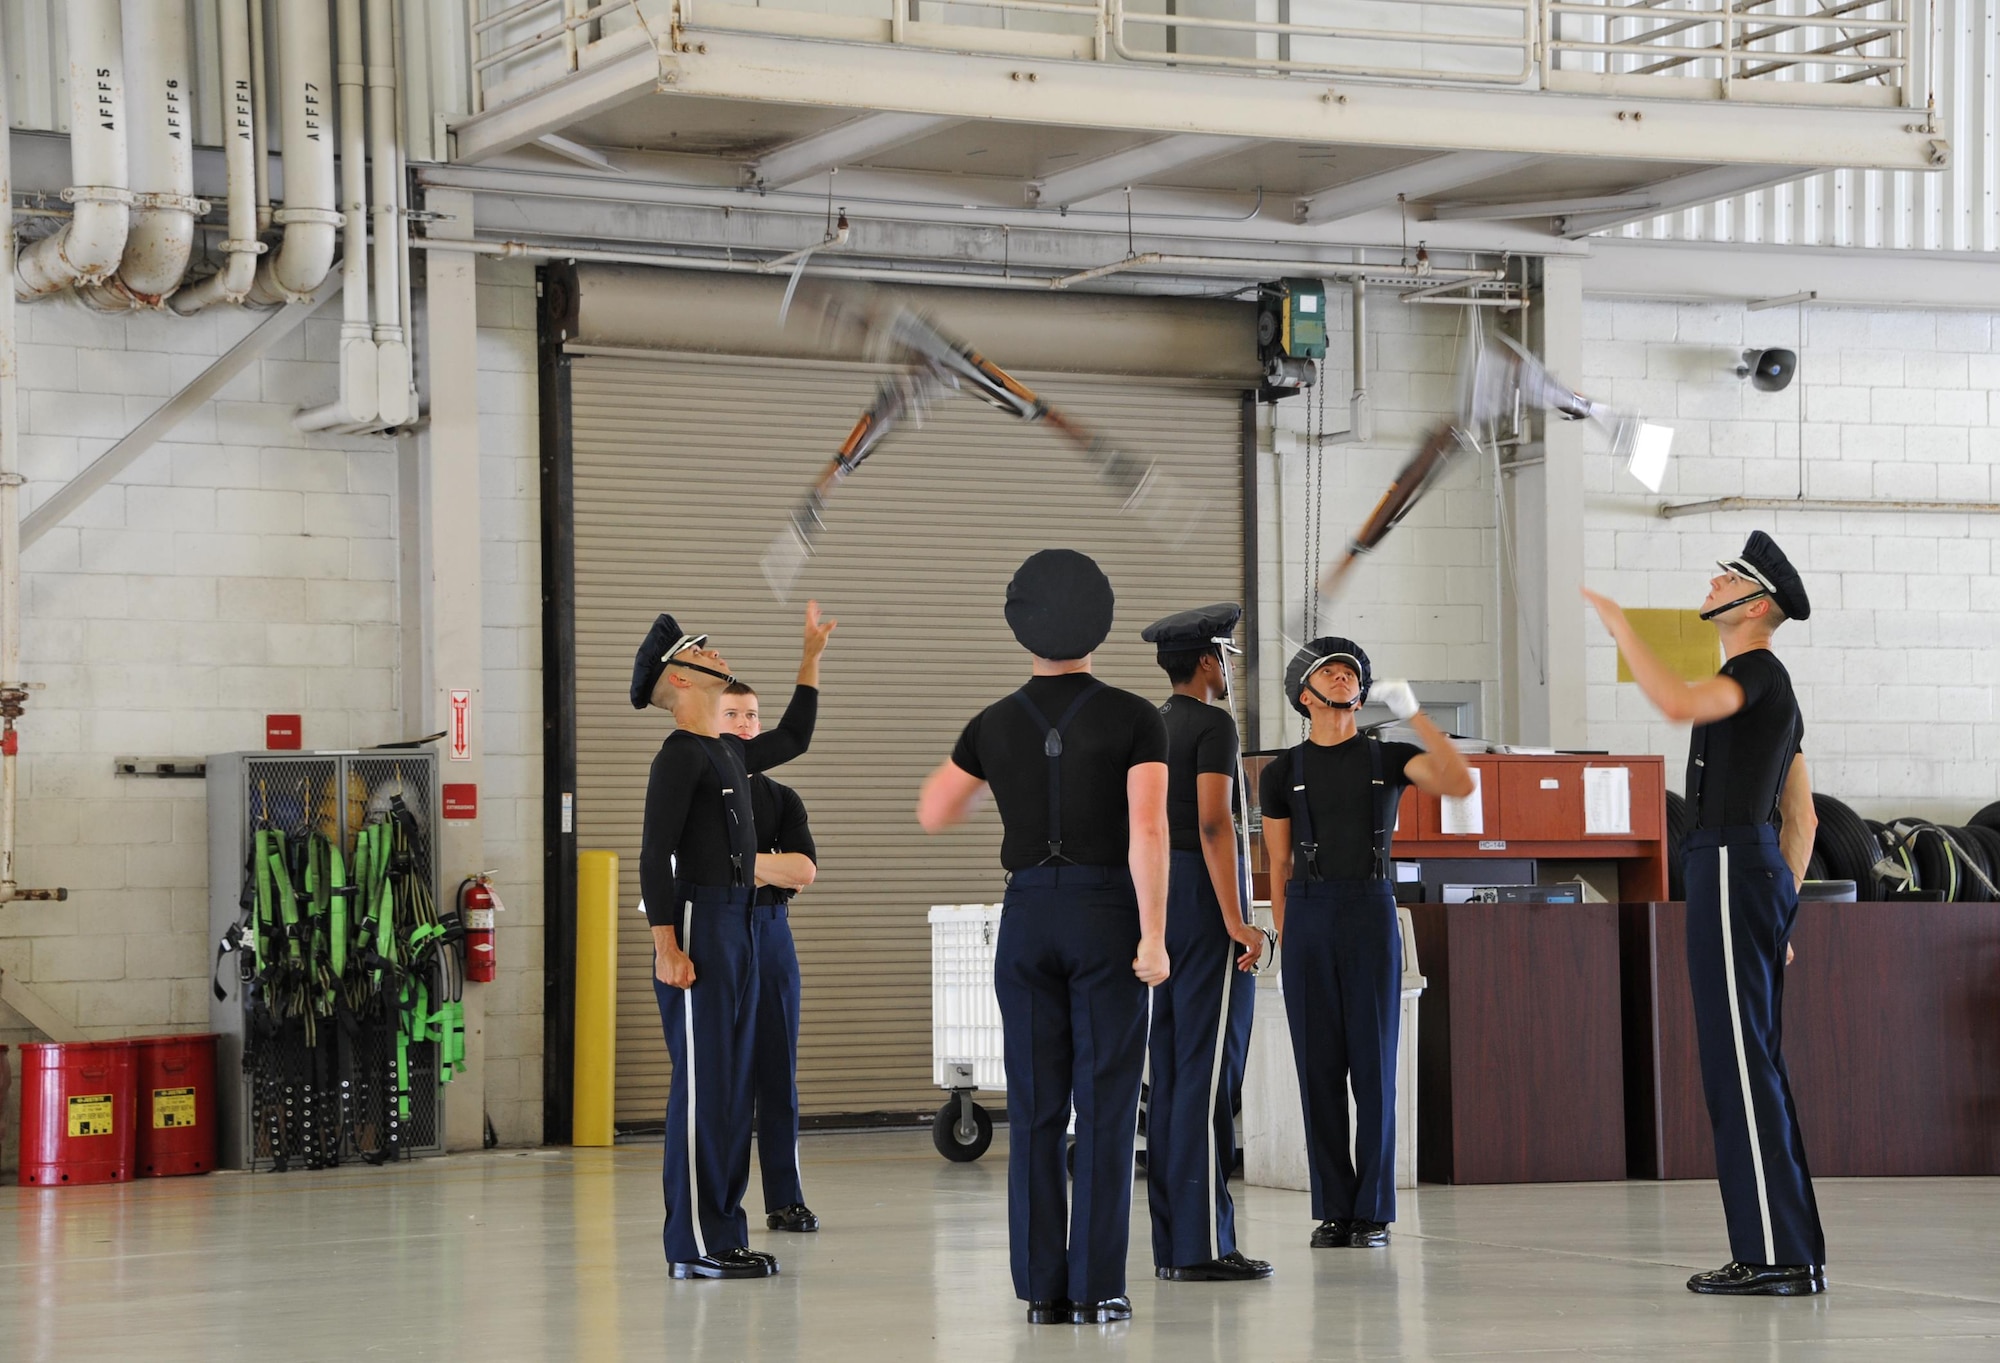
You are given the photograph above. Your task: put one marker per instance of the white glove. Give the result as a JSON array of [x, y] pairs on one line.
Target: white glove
[[1398, 696]]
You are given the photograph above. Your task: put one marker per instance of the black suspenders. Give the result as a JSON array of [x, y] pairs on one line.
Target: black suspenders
[[1305, 847], [1052, 747], [739, 837]]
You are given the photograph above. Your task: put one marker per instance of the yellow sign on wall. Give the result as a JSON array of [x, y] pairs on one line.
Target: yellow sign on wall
[[1682, 640]]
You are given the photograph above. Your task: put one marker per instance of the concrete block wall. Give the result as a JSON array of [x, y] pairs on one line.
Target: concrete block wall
[[1895, 669], [510, 806], [1422, 604], [242, 568]]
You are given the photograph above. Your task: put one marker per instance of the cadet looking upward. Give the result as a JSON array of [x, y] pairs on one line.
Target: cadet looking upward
[[1329, 816], [697, 862], [1079, 773], [786, 864], [1751, 801], [1201, 1016]]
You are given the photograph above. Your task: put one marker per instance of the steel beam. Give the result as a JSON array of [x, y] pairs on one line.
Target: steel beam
[[1420, 180], [850, 142], [36, 1011], [1142, 97], [1074, 184], [170, 413], [1539, 208], [1685, 191]]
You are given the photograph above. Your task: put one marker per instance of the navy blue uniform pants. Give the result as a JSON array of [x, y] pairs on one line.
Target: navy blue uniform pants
[[1073, 1016], [1741, 903], [1343, 978], [1200, 1036], [775, 1066], [709, 1028]]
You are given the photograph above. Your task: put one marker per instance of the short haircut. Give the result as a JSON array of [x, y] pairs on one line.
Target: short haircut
[[1180, 664], [739, 688]]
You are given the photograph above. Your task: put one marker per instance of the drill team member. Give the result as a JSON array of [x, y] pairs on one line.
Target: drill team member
[[1329, 809], [1079, 773], [785, 865], [696, 867], [1201, 1015], [1745, 773]]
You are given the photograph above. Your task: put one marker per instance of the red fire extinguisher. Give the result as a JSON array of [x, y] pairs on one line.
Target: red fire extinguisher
[[477, 904]]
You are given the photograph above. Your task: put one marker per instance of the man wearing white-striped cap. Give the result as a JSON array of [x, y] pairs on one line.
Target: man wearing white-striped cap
[[1751, 803]]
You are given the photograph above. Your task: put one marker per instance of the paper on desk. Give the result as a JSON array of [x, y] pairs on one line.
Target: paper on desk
[[1607, 800], [1466, 816]]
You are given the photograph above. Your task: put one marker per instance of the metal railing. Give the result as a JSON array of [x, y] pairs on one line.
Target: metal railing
[[1852, 52], [1670, 47]]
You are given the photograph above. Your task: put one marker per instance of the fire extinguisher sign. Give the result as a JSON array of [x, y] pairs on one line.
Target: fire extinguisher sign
[[461, 726]]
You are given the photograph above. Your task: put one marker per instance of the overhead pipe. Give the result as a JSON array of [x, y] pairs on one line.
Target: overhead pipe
[[1360, 412], [159, 70], [395, 405], [305, 79], [89, 246], [260, 115], [356, 401], [239, 149]]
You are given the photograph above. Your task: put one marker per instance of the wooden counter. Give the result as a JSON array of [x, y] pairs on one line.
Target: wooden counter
[[1891, 1038], [1520, 1070]]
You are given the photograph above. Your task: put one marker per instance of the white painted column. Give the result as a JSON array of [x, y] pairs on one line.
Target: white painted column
[[441, 593], [1561, 324]]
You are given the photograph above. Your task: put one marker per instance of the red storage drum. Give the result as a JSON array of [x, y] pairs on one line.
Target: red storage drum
[[175, 1079], [77, 1112]]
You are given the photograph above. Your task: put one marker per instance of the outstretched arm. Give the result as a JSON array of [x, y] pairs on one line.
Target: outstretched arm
[[1683, 702], [793, 733], [1441, 769], [949, 796]]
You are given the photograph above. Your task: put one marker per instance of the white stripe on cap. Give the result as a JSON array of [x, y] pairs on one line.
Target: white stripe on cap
[[687, 641], [1743, 569]]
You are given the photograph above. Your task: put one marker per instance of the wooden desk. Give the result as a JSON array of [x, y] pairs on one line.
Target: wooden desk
[[1520, 1071], [1531, 807], [1891, 1037]]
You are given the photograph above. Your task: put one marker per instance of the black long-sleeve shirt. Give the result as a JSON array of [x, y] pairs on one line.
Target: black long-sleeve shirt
[[781, 827], [692, 828]]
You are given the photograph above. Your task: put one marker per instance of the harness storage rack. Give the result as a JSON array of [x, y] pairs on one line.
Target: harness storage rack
[[338, 971]]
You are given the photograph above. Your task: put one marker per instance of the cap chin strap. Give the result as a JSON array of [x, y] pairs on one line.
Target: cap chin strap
[[1759, 595], [1329, 702], [725, 677]]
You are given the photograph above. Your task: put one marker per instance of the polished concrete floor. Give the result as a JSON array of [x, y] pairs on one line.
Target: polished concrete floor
[[556, 1255]]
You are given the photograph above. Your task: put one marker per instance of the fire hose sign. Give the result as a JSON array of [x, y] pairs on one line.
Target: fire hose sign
[[461, 726], [173, 1108], [90, 1114]]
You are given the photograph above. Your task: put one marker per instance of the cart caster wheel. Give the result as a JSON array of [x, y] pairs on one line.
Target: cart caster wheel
[[951, 1142]]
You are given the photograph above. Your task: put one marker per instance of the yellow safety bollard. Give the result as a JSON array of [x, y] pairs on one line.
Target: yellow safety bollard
[[595, 1059]]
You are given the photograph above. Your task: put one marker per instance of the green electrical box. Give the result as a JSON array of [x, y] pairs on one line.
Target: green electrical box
[[1291, 320]]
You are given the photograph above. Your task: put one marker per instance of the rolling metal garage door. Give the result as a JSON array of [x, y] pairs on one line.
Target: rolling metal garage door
[[683, 466]]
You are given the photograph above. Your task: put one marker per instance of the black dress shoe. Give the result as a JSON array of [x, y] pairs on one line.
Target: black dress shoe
[[1330, 1234], [1736, 1279], [727, 1263], [1367, 1234], [1053, 1312], [1101, 1312], [1230, 1268], [797, 1217]]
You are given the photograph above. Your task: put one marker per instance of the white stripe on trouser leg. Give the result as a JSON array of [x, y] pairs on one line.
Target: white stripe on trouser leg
[[1743, 1061], [694, 1184], [1213, 1216]]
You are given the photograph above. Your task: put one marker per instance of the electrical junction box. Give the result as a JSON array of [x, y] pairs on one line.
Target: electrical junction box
[[1291, 320]]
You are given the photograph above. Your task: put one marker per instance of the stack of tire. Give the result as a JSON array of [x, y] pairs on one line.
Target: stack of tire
[[1951, 862], [1936, 860]]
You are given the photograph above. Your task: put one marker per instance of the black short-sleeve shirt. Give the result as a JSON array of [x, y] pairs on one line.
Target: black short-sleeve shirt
[[781, 827], [1201, 741], [1340, 789], [1113, 732], [1739, 764]]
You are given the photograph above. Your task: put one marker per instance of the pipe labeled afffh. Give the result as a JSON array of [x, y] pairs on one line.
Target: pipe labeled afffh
[[89, 246], [159, 106], [239, 150]]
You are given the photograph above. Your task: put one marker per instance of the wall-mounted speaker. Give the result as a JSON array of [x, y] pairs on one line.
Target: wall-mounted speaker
[[1769, 371]]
